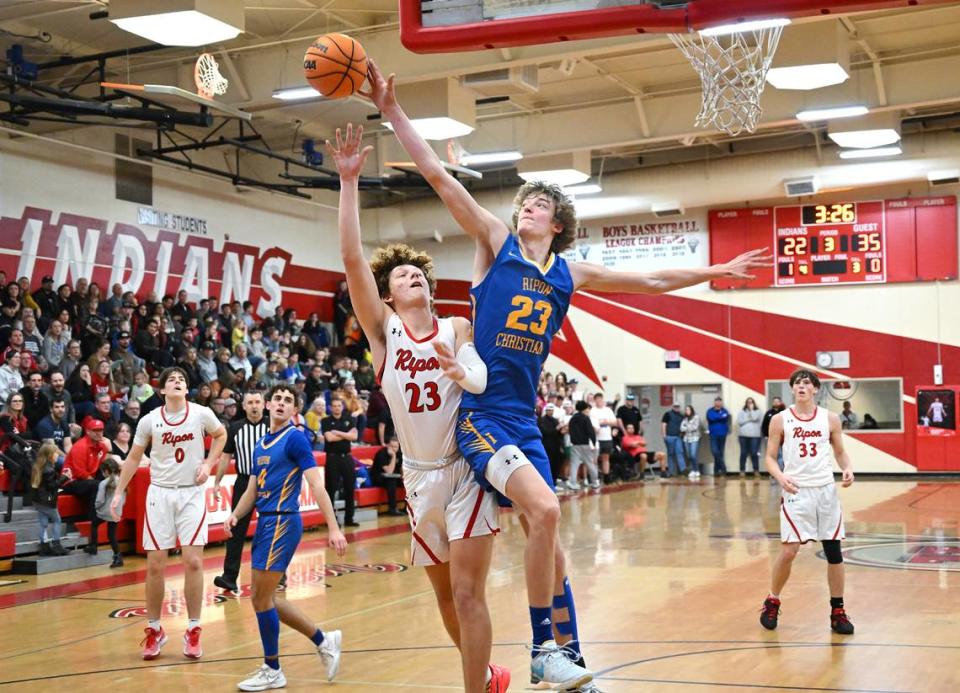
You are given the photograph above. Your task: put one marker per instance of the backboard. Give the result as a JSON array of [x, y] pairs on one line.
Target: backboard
[[176, 98]]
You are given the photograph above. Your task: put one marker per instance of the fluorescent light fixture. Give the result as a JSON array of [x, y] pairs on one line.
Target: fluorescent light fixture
[[560, 176], [831, 113], [806, 77], [442, 128], [490, 158], [944, 175], [585, 189], [297, 94], [875, 153], [865, 139], [741, 27], [180, 22]]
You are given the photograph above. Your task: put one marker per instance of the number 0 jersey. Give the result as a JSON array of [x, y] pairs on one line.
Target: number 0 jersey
[[424, 403], [518, 307], [807, 453], [176, 440]]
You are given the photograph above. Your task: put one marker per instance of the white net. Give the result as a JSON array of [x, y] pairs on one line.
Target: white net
[[733, 70], [207, 77]]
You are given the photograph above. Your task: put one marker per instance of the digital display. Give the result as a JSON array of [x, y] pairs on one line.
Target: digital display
[[840, 243]]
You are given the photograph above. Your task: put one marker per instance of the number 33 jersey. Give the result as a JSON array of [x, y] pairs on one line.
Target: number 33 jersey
[[423, 401], [518, 307], [176, 440], [807, 453]]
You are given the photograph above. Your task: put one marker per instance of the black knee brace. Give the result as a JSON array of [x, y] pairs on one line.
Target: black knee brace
[[831, 549]]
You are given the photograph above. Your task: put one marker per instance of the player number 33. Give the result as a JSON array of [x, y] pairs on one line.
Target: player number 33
[[529, 315]]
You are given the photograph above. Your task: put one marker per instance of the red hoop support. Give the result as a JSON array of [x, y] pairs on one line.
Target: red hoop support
[[616, 21]]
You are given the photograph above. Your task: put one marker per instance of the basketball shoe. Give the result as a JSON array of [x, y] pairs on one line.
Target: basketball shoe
[[839, 623], [153, 641], [191, 643], [499, 679], [770, 612], [264, 678], [550, 665], [329, 651]]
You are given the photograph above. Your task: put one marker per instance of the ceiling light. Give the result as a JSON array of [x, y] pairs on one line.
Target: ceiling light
[[180, 22], [585, 189], [943, 177], [567, 168], [742, 27], [441, 128], [865, 139], [559, 176], [297, 94], [831, 113], [490, 158], [806, 77], [875, 153]]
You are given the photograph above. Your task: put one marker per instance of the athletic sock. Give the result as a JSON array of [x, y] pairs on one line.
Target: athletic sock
[[269, 624], [568, 627], [317, 637], [193, 623], [154, 624], [773, 596], [836, 602], [541, 624]]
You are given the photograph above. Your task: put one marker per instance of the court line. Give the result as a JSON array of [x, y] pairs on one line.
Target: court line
[[756, 685]]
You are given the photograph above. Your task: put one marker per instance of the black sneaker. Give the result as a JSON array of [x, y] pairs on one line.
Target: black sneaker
[[117, 561], [351, 523], [91, 549], [839, 623], [225, 584], [769, 613]]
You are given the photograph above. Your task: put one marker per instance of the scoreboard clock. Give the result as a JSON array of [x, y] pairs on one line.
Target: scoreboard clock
[[838, 243]]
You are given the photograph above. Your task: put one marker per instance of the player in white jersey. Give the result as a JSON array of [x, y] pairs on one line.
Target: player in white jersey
[[425, 363], [936, 412], [812, 441], [176, 510]]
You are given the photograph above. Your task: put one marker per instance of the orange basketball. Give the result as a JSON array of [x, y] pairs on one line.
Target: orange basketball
[[335, 65]]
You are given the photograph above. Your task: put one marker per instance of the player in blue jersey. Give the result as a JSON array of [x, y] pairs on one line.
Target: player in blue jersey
[[521, 292], [282, 460]]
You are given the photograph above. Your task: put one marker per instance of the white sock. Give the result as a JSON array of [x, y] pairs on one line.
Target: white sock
[[774, 596], [193, 623], [489, 674], [154, 624]]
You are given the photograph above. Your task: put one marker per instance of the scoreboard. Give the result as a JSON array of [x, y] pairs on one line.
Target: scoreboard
[[838, 243]]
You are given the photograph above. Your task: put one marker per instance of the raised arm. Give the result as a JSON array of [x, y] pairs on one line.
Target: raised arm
[[590, 276], [349, 158], [487, 230]]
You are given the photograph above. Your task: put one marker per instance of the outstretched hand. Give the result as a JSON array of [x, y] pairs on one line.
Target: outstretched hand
[[448, 362], [381, 90], [348, 155], [740, 266]]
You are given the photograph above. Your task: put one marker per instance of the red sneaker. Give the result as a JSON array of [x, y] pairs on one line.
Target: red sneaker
[[152, 642], [499, 679], [191, 643]]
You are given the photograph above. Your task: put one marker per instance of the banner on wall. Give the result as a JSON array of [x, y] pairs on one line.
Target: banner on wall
[[642, 245], [936, 412], [69, 246]]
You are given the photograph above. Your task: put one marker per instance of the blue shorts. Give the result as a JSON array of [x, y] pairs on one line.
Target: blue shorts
[[275, 541], [480, 435]]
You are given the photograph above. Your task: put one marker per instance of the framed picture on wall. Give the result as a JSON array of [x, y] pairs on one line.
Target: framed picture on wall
[[936, 412]]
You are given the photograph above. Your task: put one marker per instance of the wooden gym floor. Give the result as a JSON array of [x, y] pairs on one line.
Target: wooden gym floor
[[669, 578]]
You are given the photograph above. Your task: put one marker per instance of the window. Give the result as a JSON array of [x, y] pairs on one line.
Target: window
[[864, 405]]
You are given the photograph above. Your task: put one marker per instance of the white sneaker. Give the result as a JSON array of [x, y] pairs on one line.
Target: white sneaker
[[329, 652], [263, 679], [552, 666], [587, 688], [594, 484], [573, 486]]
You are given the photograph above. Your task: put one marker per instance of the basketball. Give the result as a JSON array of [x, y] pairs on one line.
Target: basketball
[[335, 65]]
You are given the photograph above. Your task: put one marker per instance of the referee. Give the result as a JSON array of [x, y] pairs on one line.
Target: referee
[[242, 437]]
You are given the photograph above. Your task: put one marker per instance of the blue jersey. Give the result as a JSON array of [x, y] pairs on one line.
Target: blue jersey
[[279, 461], [518, 307]]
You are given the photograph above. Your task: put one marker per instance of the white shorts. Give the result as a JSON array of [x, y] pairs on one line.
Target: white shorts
[[444, 505], [811, 514], [172, 514]]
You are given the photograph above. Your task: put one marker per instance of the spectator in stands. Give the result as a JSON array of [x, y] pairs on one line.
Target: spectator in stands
[[142, 390], [64, 302], [139, 320], [81, 393], [634, 447], [205, 362], [305, 348], [316, 384], [45, 482], [35, 403], [15, 340], [15, 437], [46, 298], [670, 430], [224, 369], [125, 363], [315, 330], [240, 360], [190, 364], [312, 419], [691, 427], [218, 408], [147, 345], [107, 488], [339, 431], [365, 377], [342, 309], [775, 408], [32, 339], [230, 411], [292, 370], [112, 305], [603, 421], [718, 425], [55, 343], [101, 381], [81, 467], [238, 333], [204, 394], [181, 310], [10, 378], [385, 473], [73, 358], [185, 342], [626, 414], [549, 426], [12, 292], [120, 442], [8, 315], [749, 420], [583, 447], [355, 404], [256, 350], [107, 411], [55, 427], [57, 390], [65, 319], [848, 417]]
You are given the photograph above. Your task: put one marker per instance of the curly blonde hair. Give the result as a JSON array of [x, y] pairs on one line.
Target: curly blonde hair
[[565, 214], [384, 261]]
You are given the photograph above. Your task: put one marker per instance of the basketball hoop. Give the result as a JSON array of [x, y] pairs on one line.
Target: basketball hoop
[[207, 77], [733, 70]]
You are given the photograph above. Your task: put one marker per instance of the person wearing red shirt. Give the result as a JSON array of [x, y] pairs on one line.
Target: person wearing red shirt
[[635, 445], [81, 466]]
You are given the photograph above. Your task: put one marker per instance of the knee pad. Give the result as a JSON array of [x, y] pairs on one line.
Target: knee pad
[[502, 464], [831, 549]]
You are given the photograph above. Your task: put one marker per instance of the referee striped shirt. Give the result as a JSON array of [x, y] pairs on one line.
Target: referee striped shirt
[[242, 437]]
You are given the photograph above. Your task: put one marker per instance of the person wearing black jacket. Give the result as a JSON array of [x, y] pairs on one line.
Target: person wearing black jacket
[[45, 480], [549, 427], [385, 473], [339, 431], [777, 407], [583, 446]]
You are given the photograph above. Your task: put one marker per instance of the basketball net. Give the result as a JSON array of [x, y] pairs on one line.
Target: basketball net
[[733, 70], [207, 77]]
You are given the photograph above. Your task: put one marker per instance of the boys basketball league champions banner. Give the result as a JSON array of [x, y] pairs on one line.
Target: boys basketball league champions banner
[[144, 259], [642, 244]]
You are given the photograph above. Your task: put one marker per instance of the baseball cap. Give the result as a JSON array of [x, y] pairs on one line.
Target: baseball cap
[[47, 279], [208, 345], [631, 396], [123, 335], [230, 402], [92, 424], [675, 405], [10, 303], [128, 304]]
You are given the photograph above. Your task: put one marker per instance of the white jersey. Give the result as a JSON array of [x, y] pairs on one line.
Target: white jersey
[[424, 403], [807, 453], [937, 412], [176, 440]]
